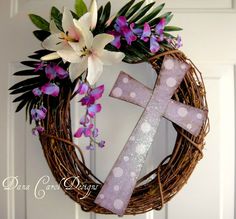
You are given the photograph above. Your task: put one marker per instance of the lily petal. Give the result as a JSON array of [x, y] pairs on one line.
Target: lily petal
[[67, 20], [95, 68], [76, 69], [69, 55], [109, 58], [53, 42], [100, 41], [50, 89], [50, 56]]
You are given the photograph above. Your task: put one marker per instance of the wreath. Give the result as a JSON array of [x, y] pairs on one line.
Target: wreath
[[76, 46]]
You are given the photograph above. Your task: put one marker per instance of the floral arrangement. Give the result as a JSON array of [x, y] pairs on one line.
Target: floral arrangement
[[75, 47]]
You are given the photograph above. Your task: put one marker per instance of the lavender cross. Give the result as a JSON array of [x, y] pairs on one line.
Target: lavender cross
[[120, 183]]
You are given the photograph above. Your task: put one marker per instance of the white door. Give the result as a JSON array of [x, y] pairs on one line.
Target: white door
[[209, 40]]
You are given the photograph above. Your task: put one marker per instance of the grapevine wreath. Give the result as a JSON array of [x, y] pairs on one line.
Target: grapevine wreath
[[76, 45]]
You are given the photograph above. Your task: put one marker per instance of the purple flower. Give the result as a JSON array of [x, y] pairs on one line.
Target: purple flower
[[42, 108], [61, 73], [37, 114], [39, 66], [87, 101], [90, 147], [160, 27], [154, 45], [146, 32], [121, 22], [137, 31], [95, 133], [84, 120], [37, 92], [101, 144], [97, 92], [82, 89], [50, 89], [50, 72], [179, 42], [116, 42], [37, 130], [87, 131], [93, 109]]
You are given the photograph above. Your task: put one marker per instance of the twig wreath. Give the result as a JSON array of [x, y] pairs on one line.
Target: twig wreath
[[76, 45]]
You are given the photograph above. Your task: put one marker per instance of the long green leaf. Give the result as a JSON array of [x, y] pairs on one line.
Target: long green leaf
[[26, 82], [172, 28], [26, 95], [134, 9], [125, 8], [151, 15], [29, 72], [39, 22], [105, 14], [21, 105], [29, 64], [168, 16], [80, 7], [26, 88], [41, 34], [141, 13]]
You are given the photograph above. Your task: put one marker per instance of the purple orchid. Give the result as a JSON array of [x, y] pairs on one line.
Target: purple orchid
[[179, 42], [39, 66], [37, 92], [93, 109], [82, 88], [97, 92], [101, 144], [95, 133], [61, 73], [154, 45], [84, 120], [37, 130], [87, 131], [160, 27], [50, 89], [137, 31], [146, 32], [38, 114], [50, 72], [90, 147]]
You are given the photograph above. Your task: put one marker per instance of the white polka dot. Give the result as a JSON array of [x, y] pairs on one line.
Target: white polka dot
[[169, 64], [199, 116], [183, 66], [118, 172], [101, 196], [118, 204], [146, 127], [189, 126], [126, 158], [132, 94], [117, 92], [132, 138], [140, 149], [116, 188], [132, 174], [125, 80], [182, 112], [171, 82]]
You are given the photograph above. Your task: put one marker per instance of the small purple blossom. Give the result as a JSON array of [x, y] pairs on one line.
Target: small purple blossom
[[39, 66], [160, 27], [93, 109], [84, 120], [37, 130], [87, 131], [50, 72], [82, 89], [179, 42], [50, 89], [154, 45], [90, 147], [101, 144], [146, 33], [95, 133], [61, 73], [37, 92], [38, 114]]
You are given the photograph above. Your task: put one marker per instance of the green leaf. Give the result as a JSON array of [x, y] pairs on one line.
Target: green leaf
[[134, 9], [26, 88], [55, 13], [152, 15], [29, 64], [41, 34], [125, 8], [172, 28], [141, 13], [26, 82], [168, 16], [106, 14], [39, 22], [29, 72], [80, 7], [27, 95], [21, 105]]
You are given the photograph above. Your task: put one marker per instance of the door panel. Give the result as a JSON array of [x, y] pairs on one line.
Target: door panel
[[209, 194]]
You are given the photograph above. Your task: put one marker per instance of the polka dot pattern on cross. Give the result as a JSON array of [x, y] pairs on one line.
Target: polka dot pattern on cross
[[117, 92], [132, 94], [101, 196], [169, 64], [199, 116], [189, 126], [171, 82], [116, 188], [146, 127], [118, 172], [118, 204], [126, 158], [182, 112], [125, 80], [132, 174]]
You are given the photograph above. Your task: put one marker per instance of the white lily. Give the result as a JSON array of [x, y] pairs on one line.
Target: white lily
[[90, 54]]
